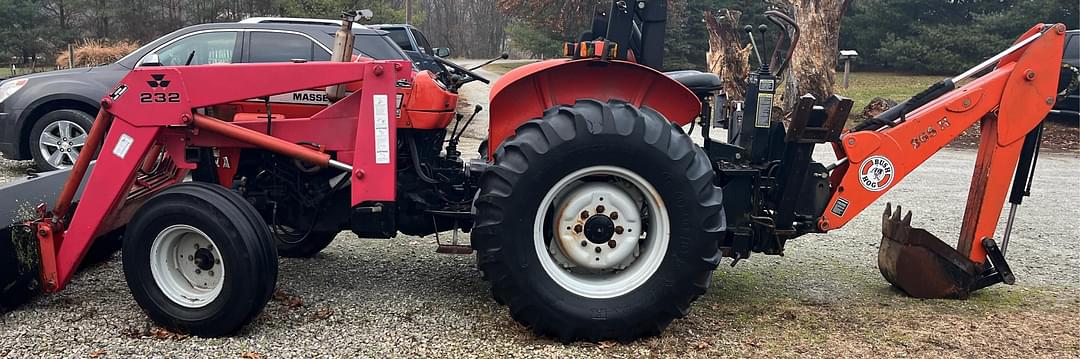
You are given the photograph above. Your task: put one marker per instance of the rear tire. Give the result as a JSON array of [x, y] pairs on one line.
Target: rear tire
[[199, 259], [558, 169]]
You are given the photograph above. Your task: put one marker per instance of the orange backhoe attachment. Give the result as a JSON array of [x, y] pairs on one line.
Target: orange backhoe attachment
[[1011, 101]]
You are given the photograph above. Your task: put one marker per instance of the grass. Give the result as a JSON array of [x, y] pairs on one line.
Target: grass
[[865, 86], [5, 71], [504, 67]]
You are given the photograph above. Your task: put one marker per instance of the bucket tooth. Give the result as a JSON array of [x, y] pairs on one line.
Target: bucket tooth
[[920, 264]]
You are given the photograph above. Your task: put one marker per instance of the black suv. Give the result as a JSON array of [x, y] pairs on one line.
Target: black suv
[[1069, 106], [46, 116], [418, 48]]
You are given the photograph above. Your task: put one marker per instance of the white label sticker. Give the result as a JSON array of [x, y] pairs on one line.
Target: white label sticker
[[382, 132], [123, 145]]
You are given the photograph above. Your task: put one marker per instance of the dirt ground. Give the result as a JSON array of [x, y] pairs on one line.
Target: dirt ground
[[823, 299]]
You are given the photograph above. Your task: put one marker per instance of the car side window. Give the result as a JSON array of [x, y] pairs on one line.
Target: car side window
[[422, 42], [1072, 48], [208, 48], [401, 38], [283, 47]]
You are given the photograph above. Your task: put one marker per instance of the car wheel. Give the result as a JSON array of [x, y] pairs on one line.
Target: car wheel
[[57, 138]]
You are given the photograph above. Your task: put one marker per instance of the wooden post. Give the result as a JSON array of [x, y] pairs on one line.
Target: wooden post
[[847, 69], [71, 56], [847, 55]]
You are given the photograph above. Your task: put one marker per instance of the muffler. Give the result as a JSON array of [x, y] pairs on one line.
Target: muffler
[[923, 266]]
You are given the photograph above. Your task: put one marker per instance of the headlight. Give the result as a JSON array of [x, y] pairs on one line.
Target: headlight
[[10, 87]]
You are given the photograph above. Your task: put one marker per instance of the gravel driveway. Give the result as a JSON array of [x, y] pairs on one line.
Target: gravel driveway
[[397, 298]]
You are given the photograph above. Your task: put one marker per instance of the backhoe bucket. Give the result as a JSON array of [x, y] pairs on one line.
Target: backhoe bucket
[[920, 264]]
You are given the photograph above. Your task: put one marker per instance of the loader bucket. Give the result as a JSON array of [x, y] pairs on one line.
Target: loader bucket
[[19, 266], [920, 264], [19, 249]]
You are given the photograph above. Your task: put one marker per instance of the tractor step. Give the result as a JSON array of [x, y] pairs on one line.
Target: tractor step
[[453, 247], [923, 266]]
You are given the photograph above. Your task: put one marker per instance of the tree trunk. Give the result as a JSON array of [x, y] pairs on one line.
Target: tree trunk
[[726, 58], [814, 59]]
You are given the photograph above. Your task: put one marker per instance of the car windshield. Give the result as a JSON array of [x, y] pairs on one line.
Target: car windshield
[[400, 37]]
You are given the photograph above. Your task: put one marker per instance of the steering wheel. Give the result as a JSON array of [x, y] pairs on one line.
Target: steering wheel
[[466, 75]]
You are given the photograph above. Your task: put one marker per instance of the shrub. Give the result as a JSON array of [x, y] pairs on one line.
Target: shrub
[[93, 52]]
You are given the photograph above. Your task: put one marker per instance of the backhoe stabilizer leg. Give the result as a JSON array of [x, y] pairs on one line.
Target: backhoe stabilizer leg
[[923, 266]]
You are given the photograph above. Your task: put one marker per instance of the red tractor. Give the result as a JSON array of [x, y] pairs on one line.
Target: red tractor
[[593, 214]]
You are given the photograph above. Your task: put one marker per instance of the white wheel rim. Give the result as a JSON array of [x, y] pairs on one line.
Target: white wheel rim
[[186, 266], [588, 266], [60, 143]]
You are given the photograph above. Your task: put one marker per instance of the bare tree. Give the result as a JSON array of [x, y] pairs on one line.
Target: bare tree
[[473, 28], [726, 58], [814, 59]]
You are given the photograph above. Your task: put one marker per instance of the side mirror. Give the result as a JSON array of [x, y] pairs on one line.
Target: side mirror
[[150, 60], [443, 52]]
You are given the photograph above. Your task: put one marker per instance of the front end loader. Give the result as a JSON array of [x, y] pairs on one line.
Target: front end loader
[[593, 214]]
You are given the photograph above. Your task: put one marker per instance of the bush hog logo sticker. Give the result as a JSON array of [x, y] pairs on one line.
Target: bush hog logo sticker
[[876, 173], [158, 81]]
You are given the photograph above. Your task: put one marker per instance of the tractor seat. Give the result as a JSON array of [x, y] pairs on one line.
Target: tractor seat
[[700, 83]]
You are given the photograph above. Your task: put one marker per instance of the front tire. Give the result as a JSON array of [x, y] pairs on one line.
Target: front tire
[[598, 221], [57, 137], [199, 259]]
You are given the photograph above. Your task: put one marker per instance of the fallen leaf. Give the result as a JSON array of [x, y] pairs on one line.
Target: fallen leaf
[[294, 302], [291, 301], [97, 353], [702, 345], [165, 334], [323, 313], [137, 331], [608, 344], [251, 355]]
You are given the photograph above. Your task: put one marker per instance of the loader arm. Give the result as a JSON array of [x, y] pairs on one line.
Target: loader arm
[[1011, 101], [152, 112]]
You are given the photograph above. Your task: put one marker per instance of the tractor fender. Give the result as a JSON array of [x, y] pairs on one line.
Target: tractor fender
[[526, 92]]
